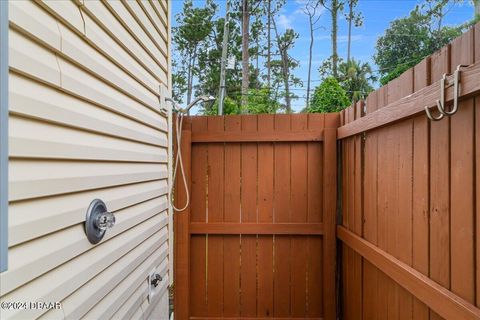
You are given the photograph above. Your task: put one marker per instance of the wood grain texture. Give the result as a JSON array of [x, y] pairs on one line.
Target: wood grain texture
[[182, 238], [249, 215], [258, 136], [329, 218], [257, 219], [296, 228], [215, 213], [283, 253], [462, 181], [265, 191], [415, 103], [232, 212], [444, 302], [439, 185], [421, 187]]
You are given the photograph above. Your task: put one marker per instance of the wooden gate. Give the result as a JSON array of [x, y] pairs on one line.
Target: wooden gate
[[258, 239]]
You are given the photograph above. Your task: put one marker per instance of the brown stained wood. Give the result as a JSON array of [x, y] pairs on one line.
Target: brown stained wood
[[403, 177], [258, 228], [414, 104], [182, 237], [441, 300], [439, 186], [215, 254], [391, 146], [198, 292], [264, 136], [231, 244], [357, 214], [282, 246], [241, 184], [315, 215], [370, 214], [329, 218], [382, 182], [198, 271], [477, 184], [298, 198], [265, 215], [462, 182], [199, 174], [251, 318], [477, 170], [420, 223], [249, 214]]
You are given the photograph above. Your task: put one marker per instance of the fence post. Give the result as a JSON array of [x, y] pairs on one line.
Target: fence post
[[182, 234], [329, 221]]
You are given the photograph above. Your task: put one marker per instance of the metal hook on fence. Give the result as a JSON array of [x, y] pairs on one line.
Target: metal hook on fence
[[441, 103], [431, 117], [456, 82]]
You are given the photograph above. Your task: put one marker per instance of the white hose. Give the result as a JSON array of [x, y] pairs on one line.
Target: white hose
[[178, 159]]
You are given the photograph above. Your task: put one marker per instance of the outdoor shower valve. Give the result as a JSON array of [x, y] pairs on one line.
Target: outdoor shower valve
[[97, 221], [105, 220]]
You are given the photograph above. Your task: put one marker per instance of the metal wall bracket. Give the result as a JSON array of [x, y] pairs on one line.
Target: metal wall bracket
[[97, 221]]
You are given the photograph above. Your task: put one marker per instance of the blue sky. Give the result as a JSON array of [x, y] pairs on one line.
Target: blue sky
[[377, 16]]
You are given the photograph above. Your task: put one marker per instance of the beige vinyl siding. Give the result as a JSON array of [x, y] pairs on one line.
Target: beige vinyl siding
[[85, 122]]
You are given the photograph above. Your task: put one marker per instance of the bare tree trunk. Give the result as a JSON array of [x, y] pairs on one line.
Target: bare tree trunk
[[334, 12], [245, 55], [269, 43], [285, 71], [190, 78], [310, 18], [350, 18]]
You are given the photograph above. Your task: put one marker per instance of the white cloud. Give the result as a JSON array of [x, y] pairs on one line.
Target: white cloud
[[284, 21]]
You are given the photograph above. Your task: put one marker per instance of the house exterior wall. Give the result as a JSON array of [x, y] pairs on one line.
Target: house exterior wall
[[84, 123]]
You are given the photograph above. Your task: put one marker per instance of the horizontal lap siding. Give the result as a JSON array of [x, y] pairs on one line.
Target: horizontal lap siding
[[85, 123]]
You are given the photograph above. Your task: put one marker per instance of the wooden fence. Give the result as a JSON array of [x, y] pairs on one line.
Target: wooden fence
[[410, 224], [258, 240]]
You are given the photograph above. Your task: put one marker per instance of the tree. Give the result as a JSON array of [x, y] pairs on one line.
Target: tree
[[355, 18], [210, 58], [311, 10], [356, 79], [285, 42], [329, 96], [179, 83], [245, 53], [410, 39], [333, 8], [194, 27]]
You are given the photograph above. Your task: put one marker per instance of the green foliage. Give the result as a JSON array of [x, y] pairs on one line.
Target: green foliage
[[329, 96], [260, 101], [356, 79], [194, 27], [410, 39], [230, 106], [355, 17], [397, 72]]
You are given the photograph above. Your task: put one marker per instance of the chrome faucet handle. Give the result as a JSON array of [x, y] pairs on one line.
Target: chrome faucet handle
[[105, 220]]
